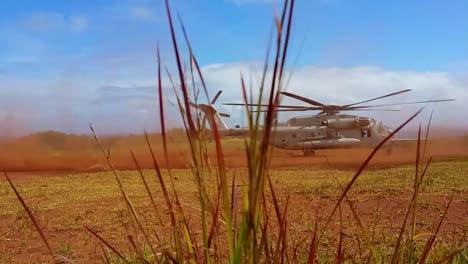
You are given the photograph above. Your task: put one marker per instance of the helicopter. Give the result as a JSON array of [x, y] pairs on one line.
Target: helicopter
[[329, 129]]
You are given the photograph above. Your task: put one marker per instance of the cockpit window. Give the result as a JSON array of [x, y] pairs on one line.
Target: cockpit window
[[365, 133]]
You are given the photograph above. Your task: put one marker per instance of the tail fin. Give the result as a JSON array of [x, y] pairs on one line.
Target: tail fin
[[212, 114]]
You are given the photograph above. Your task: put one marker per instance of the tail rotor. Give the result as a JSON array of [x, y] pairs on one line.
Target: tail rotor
[[210, 110]]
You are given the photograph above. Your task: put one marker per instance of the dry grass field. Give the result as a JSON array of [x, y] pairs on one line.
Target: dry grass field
[[65, 203]]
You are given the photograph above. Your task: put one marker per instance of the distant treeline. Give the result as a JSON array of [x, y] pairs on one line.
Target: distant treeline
[[54, 140]]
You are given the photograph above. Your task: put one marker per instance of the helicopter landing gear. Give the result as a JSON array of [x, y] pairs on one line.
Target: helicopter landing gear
[[309, 152]]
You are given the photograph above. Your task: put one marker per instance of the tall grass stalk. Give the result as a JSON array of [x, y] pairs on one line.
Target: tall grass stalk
[[30, 215], [416, 192]]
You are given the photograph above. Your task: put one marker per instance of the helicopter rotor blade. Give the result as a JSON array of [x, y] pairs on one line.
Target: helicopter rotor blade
[[384, 110], [303, 99], [265, 105], [287, 110], [224, 114], [332, 109], [298, 109], [216, 97], [407, 103], [380, 97], [325, 110]]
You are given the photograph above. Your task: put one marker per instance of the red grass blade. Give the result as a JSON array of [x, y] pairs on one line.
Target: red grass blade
[[416, 192], [431, 240], [449, 257], [161, 181], [30, 214], [214, 224], [131, 209], [340, 255], [283, 233], [105, 254], [224, 186], [137, 250], [313, 245], [200, 75], [358, 220], [402, 229], [364, 165], [107, 245], [153, 203], [161, 111], [191, 125], [275, 199], [286, 40]]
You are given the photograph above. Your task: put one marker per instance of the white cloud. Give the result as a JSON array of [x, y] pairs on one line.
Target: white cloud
[[131, 101], [143, 13], [348, 85], [44, 22], [78, 23]]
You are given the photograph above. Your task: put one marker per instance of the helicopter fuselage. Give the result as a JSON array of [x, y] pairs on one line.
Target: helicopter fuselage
[[326, 130], [310, 133], [329, 129]]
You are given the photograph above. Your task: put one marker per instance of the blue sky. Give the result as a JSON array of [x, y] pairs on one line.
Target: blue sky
[[67, 63]]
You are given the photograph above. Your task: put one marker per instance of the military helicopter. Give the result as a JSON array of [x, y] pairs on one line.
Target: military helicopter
[[329, 129]]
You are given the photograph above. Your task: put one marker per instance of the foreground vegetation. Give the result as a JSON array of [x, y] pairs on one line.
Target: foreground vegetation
[[256, 215]]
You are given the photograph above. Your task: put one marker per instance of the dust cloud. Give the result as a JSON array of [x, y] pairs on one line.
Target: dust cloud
[[55, 151]]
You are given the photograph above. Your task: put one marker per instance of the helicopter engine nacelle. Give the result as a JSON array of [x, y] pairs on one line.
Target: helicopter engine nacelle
[[334, 143], [364, 122], [348, 122]]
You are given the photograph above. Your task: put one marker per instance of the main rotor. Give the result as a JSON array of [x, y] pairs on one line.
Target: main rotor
[[334, 109]]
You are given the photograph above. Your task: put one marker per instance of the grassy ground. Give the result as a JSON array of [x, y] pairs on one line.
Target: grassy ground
[[65, 204]]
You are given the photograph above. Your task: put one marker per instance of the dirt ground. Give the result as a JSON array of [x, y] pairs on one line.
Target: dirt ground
[[48, 178], [91, 199], [19, 243]]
